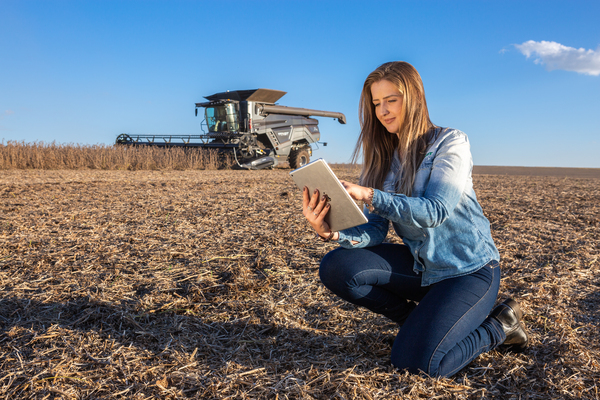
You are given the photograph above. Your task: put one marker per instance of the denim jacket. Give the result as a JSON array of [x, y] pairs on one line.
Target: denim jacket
[[442, 223]]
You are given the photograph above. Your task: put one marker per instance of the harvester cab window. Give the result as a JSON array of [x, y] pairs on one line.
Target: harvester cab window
[[222, 118]]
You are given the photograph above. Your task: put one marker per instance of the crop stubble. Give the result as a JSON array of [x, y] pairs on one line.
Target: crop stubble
[[204, 284]]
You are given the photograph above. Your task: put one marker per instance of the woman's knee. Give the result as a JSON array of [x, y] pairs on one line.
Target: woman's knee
[[340, 269], [331, 267], [413, 351], [410, 364]]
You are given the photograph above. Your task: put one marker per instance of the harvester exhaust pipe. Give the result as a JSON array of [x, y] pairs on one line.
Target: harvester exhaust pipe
[[268, 109]]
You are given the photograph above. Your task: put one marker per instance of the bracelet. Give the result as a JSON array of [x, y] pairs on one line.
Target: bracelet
[[369, 201], [328, 238]]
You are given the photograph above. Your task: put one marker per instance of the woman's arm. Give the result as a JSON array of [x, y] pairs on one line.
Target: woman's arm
[[370, 234], [447, 180], [449, 175]]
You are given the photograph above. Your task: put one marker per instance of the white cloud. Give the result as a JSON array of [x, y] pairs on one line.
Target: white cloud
[[557, 56]]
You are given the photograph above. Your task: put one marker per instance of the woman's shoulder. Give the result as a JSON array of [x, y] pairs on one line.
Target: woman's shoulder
[[447, 139], [445, 133]]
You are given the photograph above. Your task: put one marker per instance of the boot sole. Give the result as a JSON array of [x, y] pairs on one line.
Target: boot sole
[[517, 348]]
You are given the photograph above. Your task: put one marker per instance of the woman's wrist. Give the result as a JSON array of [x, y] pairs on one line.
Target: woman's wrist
[[369, 199], [369, 195], [331, 235]]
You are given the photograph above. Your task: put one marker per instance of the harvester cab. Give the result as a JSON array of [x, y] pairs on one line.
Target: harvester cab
[[248, 124]]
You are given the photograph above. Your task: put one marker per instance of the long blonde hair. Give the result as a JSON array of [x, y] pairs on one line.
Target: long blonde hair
[[416, 129]]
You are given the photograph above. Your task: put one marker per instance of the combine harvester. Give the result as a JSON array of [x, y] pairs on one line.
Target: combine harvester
[[249, 124]]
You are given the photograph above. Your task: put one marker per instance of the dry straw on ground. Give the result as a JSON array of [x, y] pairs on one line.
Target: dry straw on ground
[[203, 284]]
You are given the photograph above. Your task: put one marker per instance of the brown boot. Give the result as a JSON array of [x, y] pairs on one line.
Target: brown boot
[[509, 315]]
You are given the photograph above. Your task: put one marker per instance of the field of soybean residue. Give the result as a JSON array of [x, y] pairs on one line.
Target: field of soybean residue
[[204, 284]]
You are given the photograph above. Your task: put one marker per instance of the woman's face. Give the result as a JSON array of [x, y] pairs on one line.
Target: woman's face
[[387, 100]]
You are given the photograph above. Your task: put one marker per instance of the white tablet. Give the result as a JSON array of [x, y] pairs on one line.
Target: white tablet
[[344, 212]]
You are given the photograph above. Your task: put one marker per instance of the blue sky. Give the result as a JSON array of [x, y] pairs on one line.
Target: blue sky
[[521, 78]]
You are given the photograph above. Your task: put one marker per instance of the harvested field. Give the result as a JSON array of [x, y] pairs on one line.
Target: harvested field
[[538, 171], [204, 284]]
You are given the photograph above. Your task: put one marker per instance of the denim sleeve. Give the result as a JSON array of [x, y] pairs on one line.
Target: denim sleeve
[[449, 175], [370, 234]]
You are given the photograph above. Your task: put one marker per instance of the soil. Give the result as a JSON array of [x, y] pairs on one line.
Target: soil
[[538, 171], [204, 284]]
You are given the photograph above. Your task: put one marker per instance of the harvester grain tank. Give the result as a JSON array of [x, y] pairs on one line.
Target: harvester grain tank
[[248, 124]]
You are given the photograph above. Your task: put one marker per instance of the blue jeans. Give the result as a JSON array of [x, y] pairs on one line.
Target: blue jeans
[[445, 331]]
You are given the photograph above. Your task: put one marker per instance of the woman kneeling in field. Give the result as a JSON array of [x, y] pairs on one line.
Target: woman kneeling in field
[[440, 285]]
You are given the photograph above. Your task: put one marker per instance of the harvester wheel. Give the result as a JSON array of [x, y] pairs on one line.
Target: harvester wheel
[[299, 157], [247, 144], [124, 138]]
